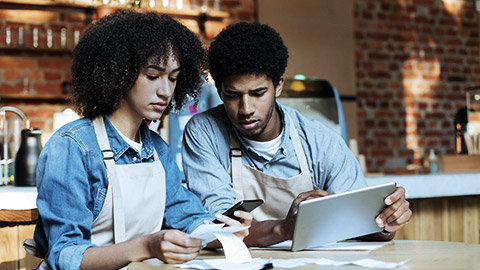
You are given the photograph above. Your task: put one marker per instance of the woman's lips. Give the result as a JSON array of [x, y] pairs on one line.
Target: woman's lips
[[161, 106]]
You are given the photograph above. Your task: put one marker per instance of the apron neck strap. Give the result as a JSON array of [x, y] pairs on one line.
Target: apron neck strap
[[118, 213]]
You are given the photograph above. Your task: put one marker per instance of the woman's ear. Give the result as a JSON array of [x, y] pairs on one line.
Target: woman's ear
[[279, 88]]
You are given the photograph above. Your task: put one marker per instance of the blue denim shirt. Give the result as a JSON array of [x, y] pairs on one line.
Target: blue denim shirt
[[72, 185], [206, 159]]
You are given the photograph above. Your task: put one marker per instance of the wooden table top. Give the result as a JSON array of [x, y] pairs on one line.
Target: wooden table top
[[13, 216], [422, 255]]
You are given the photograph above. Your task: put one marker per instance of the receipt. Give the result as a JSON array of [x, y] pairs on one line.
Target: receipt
[[234, 248], [205, 231]]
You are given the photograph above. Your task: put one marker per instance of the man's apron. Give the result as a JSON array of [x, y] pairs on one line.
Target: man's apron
[[135, 200], [277, 193]]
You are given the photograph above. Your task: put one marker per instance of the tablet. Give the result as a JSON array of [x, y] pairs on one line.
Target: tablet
[[339, 216]]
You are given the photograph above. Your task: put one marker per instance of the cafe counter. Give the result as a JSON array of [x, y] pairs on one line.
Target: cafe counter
[[445, 206]]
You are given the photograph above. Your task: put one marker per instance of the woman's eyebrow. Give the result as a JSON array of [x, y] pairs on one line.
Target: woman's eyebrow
[[161, 68]]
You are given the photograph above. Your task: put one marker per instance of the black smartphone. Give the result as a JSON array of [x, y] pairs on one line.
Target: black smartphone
[[244, 205]]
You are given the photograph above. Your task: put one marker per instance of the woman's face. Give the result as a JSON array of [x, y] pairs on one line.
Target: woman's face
[[153, 89]]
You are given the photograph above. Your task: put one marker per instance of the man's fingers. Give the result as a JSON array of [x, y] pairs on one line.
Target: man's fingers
[[398, 194], [395, 216], [400, 222]]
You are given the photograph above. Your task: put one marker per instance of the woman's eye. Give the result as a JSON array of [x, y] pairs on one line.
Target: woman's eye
[[150, 77], [172, 79]]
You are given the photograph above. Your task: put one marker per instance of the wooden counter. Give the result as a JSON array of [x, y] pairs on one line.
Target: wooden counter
[[446, 206], [16, 226], [423, 255]]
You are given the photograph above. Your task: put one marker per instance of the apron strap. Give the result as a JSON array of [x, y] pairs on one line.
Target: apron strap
[[108, 159], [236, 158], [302, 159]]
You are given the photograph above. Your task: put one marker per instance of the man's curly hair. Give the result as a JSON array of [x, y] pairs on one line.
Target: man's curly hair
[[113, 50], [247, 48]]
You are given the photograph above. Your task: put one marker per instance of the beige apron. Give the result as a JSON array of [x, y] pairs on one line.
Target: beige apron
[[135, 200], [277, 193], [139, 212]]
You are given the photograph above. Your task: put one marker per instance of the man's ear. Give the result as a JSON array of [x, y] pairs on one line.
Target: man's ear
[[219, 90], [279, 87]]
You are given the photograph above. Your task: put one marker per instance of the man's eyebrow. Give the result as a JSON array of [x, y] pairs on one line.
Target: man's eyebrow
[[259, 89], [253, 90]]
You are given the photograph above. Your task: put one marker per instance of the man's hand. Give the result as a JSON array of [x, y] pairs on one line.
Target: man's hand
[[288, 224], [173, 246], [397, 214]]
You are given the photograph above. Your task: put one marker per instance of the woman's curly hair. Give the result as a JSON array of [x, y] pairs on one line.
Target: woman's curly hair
[[247, 48], [112, 51]]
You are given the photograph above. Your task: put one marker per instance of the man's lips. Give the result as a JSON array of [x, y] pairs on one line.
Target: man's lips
[[250, 124]]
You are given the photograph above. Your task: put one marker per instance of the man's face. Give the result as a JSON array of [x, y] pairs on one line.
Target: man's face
[[249, 100]]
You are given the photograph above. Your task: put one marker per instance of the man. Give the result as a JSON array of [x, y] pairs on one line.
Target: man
[[253, 147]]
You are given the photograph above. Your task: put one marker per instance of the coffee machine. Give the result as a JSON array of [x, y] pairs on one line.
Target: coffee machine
[[19, 156]]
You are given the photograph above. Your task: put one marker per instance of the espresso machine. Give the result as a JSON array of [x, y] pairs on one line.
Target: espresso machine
[[21, 146]]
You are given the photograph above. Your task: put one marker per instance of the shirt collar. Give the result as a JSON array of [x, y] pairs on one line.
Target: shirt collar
[[119, 146]]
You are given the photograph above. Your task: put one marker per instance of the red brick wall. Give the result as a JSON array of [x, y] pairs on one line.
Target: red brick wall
[[414, 61], [47, 70]]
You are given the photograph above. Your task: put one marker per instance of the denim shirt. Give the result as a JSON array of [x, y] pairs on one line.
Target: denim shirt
[[206, 158], [72, 185]]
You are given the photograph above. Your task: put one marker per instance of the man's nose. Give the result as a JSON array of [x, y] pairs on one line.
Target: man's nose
[[246, 105]]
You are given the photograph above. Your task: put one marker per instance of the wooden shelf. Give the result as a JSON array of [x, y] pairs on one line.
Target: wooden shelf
[[33, 49], [26, 96], [44, 4], [215, 15]]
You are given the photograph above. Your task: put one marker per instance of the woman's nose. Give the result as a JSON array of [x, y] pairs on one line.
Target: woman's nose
[[165, 88]]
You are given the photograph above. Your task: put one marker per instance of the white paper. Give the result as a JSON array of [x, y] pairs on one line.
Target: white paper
[[205, 231], [234, 248], [258, 263], [370, 263], [225, 264], [221, 264], [345, 246], [292, 263]]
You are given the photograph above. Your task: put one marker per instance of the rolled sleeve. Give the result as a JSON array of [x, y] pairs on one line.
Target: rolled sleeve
[[205, 164], [63, 202]]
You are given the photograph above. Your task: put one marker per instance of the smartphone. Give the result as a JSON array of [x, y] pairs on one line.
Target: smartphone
[[244, 205]]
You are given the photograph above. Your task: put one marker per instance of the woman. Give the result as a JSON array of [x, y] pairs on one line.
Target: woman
[[106, 183]]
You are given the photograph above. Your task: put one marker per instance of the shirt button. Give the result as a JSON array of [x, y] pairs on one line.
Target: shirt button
[[134, 158], [267, 166]]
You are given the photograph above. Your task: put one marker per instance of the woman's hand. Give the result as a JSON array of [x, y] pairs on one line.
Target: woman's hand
[[245, 220], [173, 246]]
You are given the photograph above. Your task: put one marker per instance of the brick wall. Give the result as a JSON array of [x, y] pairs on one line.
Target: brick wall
[[42, 72], [414, 61]]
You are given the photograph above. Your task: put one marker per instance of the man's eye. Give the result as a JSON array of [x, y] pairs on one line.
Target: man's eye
[[230, 95], [150, 77], [172, 79], [258, 94]]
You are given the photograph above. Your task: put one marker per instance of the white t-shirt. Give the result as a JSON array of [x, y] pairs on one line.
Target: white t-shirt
[[266, 149]]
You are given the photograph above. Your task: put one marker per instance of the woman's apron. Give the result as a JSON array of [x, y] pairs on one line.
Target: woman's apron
[[135, 200], [277, 193]]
